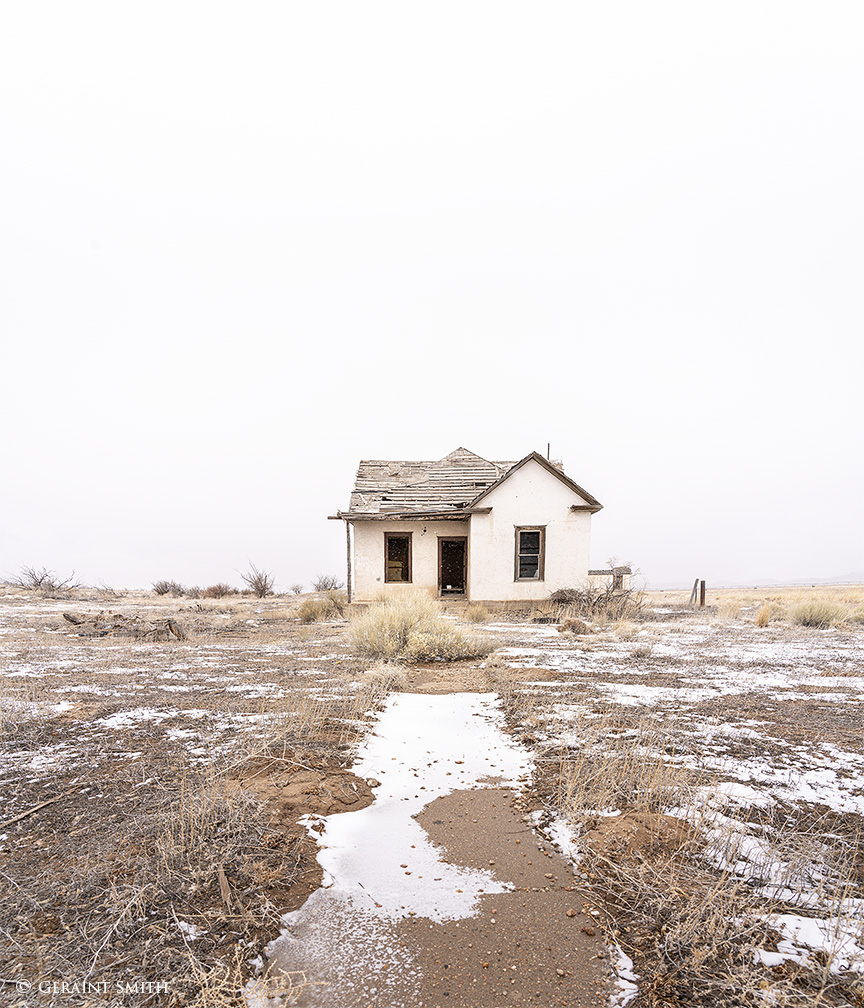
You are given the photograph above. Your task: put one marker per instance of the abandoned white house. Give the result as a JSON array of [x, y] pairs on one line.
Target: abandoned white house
[[469, 528]]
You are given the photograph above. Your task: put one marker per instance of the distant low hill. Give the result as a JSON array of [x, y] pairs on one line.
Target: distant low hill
[[852, 578]]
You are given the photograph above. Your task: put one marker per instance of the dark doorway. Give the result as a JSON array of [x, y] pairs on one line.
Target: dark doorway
[[451, 566]]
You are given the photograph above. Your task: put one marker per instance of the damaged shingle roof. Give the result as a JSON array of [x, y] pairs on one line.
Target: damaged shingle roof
[[436, 489], [449, 484]]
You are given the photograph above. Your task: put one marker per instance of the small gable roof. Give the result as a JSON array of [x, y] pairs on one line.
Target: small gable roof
[[592, 503], [451, 486]]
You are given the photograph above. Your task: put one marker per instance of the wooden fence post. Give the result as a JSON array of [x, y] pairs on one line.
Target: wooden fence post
[[701, 594]]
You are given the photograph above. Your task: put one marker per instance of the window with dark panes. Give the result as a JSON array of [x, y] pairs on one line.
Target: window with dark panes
[[397, 557], [529, 554]]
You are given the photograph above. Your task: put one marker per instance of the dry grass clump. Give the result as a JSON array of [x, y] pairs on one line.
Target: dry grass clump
[[332, 606], [765, 614], [312, 610], [477, 613], [817, 612], [625, 630], [729, 609], [574, 626], [409, 626], [385, 677]]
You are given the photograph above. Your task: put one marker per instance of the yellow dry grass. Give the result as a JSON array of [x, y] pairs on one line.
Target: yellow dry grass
[[818, 606]]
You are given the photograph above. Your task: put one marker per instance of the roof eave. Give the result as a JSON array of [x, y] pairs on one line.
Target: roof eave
[[463, 514]]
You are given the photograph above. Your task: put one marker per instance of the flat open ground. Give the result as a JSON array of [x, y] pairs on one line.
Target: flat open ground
[[705, 776]]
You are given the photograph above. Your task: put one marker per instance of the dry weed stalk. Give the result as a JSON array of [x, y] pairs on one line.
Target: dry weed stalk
[[691, 926], [615, 768]]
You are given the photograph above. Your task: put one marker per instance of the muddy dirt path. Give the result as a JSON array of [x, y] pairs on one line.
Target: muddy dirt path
[[440, 893]]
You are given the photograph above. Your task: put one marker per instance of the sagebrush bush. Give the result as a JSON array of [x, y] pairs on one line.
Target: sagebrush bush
[[219, 590], [410, 626], [168, 588], [818, 613], [477, 613]]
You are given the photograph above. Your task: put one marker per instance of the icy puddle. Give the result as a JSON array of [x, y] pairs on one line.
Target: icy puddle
[[379, 865]]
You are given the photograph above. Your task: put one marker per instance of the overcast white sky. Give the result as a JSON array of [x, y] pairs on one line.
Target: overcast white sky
[[245, 245]]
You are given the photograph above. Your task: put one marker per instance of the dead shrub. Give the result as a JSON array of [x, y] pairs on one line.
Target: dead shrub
[[219, 590], [296, 588], [600, 605], [410, 626], [42, 579], [259, 582], [168, 588], [327, 582]]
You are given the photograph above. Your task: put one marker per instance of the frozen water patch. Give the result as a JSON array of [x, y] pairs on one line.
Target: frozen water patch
[[425, 746], [379, 864]]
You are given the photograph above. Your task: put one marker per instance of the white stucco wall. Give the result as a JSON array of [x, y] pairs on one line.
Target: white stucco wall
[[531, 496], [369, 554]]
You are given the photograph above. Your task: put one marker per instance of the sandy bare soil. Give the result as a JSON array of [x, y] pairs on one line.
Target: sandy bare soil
[[704, 775]]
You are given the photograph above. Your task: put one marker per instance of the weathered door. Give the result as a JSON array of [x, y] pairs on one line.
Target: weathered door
[[452, 556]]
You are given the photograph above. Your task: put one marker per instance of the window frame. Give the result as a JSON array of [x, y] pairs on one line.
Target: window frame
[[398, 535], [541, 557]]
